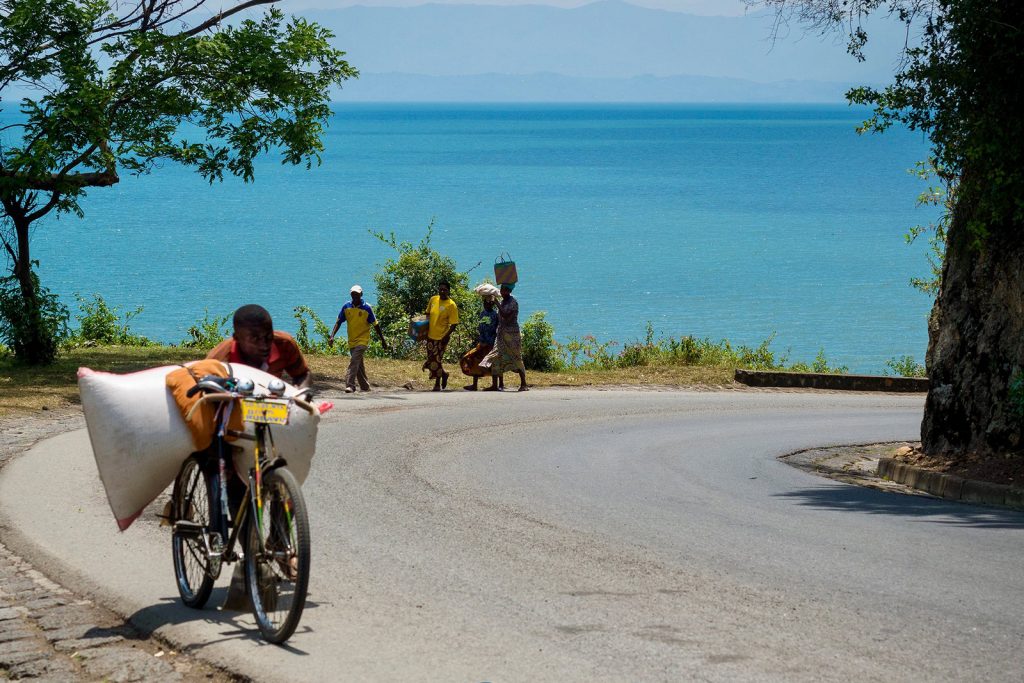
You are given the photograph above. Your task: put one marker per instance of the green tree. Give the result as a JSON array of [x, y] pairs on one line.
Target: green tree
[[958, 83], [108, 87], [405, 285]]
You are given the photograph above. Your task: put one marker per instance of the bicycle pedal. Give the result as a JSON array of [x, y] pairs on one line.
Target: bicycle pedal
[[184, 526]]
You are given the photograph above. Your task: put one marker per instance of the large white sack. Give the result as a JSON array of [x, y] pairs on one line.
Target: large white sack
[[139, 438]]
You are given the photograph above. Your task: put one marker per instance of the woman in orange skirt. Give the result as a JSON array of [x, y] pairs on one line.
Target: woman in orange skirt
[[486, 333]]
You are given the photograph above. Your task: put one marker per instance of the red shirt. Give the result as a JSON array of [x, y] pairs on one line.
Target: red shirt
[[285, 355]]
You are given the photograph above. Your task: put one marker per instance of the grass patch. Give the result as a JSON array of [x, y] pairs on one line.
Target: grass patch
[[31, 388], [387, 373], [55, 386]]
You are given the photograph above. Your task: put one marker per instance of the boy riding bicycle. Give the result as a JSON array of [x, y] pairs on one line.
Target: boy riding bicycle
[[255, 342]]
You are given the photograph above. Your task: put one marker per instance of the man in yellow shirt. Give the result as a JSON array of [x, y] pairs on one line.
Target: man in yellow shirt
[[359, 317], [443, 316]]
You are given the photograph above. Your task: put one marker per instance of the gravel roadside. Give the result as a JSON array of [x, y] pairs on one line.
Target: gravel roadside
[[48, 633]]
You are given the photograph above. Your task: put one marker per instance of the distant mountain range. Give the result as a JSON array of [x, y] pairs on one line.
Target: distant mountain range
[[608, 50], [549, 87]]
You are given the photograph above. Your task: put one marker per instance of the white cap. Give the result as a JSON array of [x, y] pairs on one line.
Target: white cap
[[357, 289]]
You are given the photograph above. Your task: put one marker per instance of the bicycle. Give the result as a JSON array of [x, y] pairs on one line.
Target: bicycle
[[271, 517]]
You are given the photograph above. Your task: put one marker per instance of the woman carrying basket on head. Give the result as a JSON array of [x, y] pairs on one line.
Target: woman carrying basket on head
[[507, 354]]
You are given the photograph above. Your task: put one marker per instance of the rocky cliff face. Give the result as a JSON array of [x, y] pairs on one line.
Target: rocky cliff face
[[976, 344]]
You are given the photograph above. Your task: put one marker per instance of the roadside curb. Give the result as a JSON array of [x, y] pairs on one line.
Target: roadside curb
[[814, 380], [950, 486]]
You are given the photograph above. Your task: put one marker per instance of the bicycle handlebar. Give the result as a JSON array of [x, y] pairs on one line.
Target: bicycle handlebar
[[222, 396], [208, 385]]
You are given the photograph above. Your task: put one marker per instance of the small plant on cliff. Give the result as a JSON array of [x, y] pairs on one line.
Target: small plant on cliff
[[1016, 395], [905, 366]]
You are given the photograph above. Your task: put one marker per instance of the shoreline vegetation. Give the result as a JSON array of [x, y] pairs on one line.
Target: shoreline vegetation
[[103, 339]]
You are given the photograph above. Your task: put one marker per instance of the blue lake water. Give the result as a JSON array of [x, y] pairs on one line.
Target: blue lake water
[[713, 221]]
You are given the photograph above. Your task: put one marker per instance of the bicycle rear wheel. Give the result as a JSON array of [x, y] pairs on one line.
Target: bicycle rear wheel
[[277, 556], [192, 564]]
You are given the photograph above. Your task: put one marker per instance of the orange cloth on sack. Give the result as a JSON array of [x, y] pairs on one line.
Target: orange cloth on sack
[[203, 422]]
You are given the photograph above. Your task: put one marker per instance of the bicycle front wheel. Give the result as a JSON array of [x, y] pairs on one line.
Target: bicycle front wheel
[[192, 505], [277, 557]]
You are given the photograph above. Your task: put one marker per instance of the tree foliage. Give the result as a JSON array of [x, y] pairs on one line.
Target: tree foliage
[[405, 285], [108, 87], [956, 83]]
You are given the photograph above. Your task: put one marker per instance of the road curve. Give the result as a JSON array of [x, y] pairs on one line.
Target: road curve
[[581, 535]]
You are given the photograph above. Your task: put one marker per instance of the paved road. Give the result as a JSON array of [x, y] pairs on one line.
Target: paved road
[[575, 535]]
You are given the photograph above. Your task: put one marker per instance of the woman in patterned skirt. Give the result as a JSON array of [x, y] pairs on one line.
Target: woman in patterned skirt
[[443, 315], [487, 331], [507, 354]]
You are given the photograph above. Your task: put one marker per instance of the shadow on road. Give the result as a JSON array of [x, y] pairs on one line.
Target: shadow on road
[[856, 499], [170, 611]]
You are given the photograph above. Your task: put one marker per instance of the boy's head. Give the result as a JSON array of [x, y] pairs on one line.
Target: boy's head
[[254, 334]]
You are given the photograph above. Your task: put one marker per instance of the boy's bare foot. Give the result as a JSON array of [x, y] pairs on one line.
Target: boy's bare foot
[[524, 388], [492, 389]]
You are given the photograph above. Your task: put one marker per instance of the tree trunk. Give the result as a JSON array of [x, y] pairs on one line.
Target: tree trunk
[[33, 341], [976, 343]]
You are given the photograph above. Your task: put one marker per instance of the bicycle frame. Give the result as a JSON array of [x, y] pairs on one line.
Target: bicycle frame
[[252, 498]]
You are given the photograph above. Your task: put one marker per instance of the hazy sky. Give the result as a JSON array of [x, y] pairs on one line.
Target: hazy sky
[[705, 7]]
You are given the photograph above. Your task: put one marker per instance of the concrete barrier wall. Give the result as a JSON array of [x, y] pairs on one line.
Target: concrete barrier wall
[[813, 380], [950, 486]]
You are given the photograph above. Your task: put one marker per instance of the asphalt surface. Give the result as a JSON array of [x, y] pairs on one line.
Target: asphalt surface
[[581, 535]]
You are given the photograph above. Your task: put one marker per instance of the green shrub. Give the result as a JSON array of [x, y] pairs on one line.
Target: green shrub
[[207, 332], [759, 358], [101, 325], [821, 365], [540, 352], [588, 353], [905, 366], [404, 287], [639, 353], [318, 345], [34, 330]]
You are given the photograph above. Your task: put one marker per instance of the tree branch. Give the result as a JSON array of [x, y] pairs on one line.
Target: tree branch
[[221, 16], [36, 215], [10, 250], [55, 180]]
